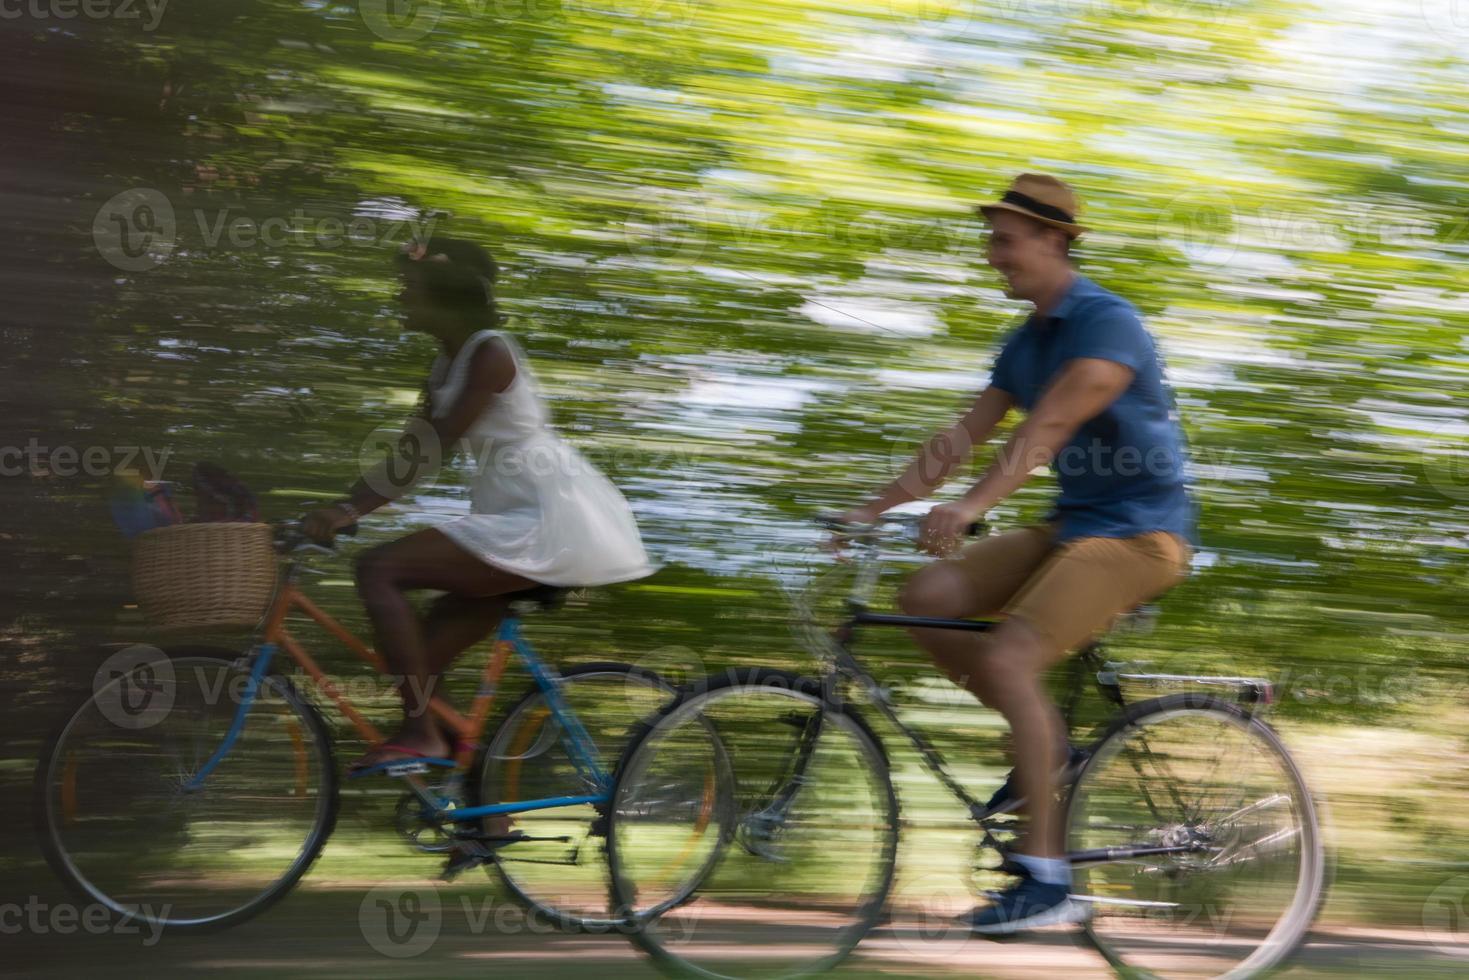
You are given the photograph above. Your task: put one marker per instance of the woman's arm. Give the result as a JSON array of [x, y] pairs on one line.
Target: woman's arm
[[491, 370]]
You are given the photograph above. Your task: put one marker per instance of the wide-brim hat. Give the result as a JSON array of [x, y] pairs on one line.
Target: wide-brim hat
[[1041, 198]]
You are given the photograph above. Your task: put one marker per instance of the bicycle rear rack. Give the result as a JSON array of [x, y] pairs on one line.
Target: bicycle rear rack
[[1248, 690]]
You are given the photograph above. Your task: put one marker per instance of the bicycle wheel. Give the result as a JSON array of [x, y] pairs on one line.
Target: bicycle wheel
[[124, 823], [794, 863], [562, 876], [1237, 867]]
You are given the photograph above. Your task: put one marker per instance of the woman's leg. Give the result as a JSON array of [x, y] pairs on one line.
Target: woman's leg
[[424, 560], [453, 624]]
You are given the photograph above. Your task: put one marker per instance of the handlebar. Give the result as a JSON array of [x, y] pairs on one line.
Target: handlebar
[[905, 525], [290, 538]]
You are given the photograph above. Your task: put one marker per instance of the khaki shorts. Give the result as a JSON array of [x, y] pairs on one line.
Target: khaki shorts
[[1071, 592]]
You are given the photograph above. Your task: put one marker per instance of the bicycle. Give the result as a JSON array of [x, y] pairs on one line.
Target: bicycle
[[1190, 830], [196, 787]]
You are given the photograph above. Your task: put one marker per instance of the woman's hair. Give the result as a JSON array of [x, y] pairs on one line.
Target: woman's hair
[[455, 275]]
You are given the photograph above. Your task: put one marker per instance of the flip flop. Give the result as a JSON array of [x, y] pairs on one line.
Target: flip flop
[[416, 762]]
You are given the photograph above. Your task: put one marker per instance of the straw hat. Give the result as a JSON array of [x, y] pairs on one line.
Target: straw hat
[[1042, 198]]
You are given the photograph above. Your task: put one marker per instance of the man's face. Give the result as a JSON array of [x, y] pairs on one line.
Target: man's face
[[1024, 252]]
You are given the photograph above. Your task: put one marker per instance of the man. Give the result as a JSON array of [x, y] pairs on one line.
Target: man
[[1086, 372]]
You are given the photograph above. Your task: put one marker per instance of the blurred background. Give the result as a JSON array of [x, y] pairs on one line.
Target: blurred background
[[736, 241]]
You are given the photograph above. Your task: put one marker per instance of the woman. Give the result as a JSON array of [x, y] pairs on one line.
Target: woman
[[540, 513]]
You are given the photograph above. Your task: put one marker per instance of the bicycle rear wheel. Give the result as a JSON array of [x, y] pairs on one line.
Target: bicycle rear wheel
[[123, 821], [795, 863], [1216, 865]]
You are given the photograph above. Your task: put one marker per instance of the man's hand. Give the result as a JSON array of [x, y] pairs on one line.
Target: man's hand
[[322, 524], [945, 526]]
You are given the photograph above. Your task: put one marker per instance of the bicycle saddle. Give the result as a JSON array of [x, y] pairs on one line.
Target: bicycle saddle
[[547, 597]]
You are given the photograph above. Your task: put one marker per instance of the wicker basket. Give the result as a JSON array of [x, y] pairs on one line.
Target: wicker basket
[[205, 574]]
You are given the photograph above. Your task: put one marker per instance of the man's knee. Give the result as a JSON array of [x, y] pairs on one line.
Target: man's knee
[[935, 591]]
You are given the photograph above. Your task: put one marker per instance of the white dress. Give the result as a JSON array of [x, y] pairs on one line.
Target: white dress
[[538, 507]]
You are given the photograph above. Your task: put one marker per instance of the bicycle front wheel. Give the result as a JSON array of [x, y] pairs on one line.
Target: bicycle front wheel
[[560, 873], [793, 863], [1196, 842], [129, 818]]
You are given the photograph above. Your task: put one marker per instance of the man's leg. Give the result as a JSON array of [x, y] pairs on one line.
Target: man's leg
[[1077, 592], [979, 581], [1012, 667]]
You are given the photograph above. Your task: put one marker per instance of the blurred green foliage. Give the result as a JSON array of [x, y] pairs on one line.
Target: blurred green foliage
[[737, 241]]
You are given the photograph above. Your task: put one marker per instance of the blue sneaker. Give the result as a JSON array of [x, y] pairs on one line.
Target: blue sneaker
[[1029, 904]]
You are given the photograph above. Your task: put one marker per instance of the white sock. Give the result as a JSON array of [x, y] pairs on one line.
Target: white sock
[[1049, 871]]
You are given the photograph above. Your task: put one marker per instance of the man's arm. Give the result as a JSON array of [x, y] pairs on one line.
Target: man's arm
[[947, 449], [1081, 390]]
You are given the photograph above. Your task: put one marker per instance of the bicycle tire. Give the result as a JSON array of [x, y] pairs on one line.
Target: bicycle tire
[[1285, 938], [317, 736], [757, 678]]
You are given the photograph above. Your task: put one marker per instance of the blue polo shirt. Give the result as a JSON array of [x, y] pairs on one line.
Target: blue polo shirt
[[1122, 474]]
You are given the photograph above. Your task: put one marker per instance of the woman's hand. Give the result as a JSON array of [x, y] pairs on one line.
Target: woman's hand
[[944, 526], [322, 524]]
